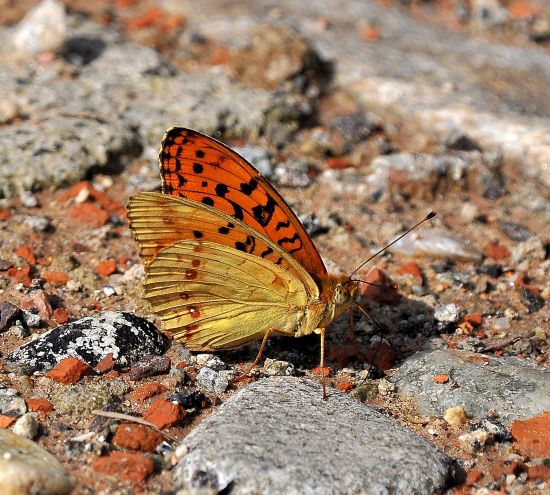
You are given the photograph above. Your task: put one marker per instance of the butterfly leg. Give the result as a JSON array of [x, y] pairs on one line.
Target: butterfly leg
[[258, 357], [323, 332]]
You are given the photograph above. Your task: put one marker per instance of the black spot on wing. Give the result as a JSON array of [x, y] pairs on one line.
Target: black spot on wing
[[241, 246], [197, 234], [248, 187], [263, 213], [224, 230], [290, 240], [267, 252], [198, 168], [221, 190], [282, 225], [199, 154], [207, 200]]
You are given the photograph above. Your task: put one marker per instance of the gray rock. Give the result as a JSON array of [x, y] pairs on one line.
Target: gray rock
[[211, 380], [8, 314], [125, 335], [278, 436], [274, 367], [530, 249], [26, 468], [449, 313], [513, 387], [10, 403]]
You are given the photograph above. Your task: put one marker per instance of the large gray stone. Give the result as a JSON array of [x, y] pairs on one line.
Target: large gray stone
[[514, 387], [278, 436]]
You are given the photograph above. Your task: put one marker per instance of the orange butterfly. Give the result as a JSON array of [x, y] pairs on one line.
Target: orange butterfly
[[226, 259]]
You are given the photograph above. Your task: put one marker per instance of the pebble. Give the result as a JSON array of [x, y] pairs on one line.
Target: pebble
[[531, 299], [211, 380], [43, 29], [28, 199], [293, 173], [437, 243], [448, 313], [189, 399], [501, 324], [274, 367], [10, 403], [512, 386], [26, 426], [38, 223], [385, 387], [211, 361], [150, 365], [278, 436], [124, 335], [26, 468], [31, 320], [515, 231], [495, 428], [455, 416], [8, 315], [530, 249]]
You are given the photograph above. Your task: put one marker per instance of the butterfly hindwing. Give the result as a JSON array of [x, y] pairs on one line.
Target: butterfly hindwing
[[202, 169], [216, 297]]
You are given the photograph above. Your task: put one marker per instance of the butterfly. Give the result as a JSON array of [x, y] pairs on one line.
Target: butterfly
[[227, 261]]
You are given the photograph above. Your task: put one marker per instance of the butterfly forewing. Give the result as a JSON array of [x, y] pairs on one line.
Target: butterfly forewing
[[202, 169], [159, 221]]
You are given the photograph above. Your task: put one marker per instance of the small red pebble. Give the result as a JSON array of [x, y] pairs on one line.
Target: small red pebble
[[441, 378], [106, 364], [125, 466], [55, 278], [69, 371], [5, 213], [164, 414], [89, 214], [339, 163], [497, 251], [61, 316], [6, 421], [105, 268], [473, 477], [147, 390], [21, 275], [137, 437], [181, 365], [345, 386], [410, 268], [38, 299], [326, 371], [452, 345], [474, 319], [39, 405], [112, 374], [26, 253]]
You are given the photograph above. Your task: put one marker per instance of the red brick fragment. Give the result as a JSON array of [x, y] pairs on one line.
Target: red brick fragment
[[152, 16], [345, 386], [381, 355], [69, 371], [137, 437], [497, 251], [441, 378], [106, 364], [134, 467], [381, 289], [107, 203], [89, 214], [61, 315], [105, 268], [532, 436], [143, 392], [339, 163], [474, 319], [55, 278], [6, 421], [473, 477], [26, 253], [410, 268], [5, 213], [21, 274], [39, 404], [164, 414]]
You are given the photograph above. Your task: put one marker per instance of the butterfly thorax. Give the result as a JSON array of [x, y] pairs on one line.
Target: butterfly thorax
[[337, 293]]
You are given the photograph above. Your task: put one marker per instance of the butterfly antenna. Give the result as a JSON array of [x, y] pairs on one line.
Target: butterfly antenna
[[429, 216]]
